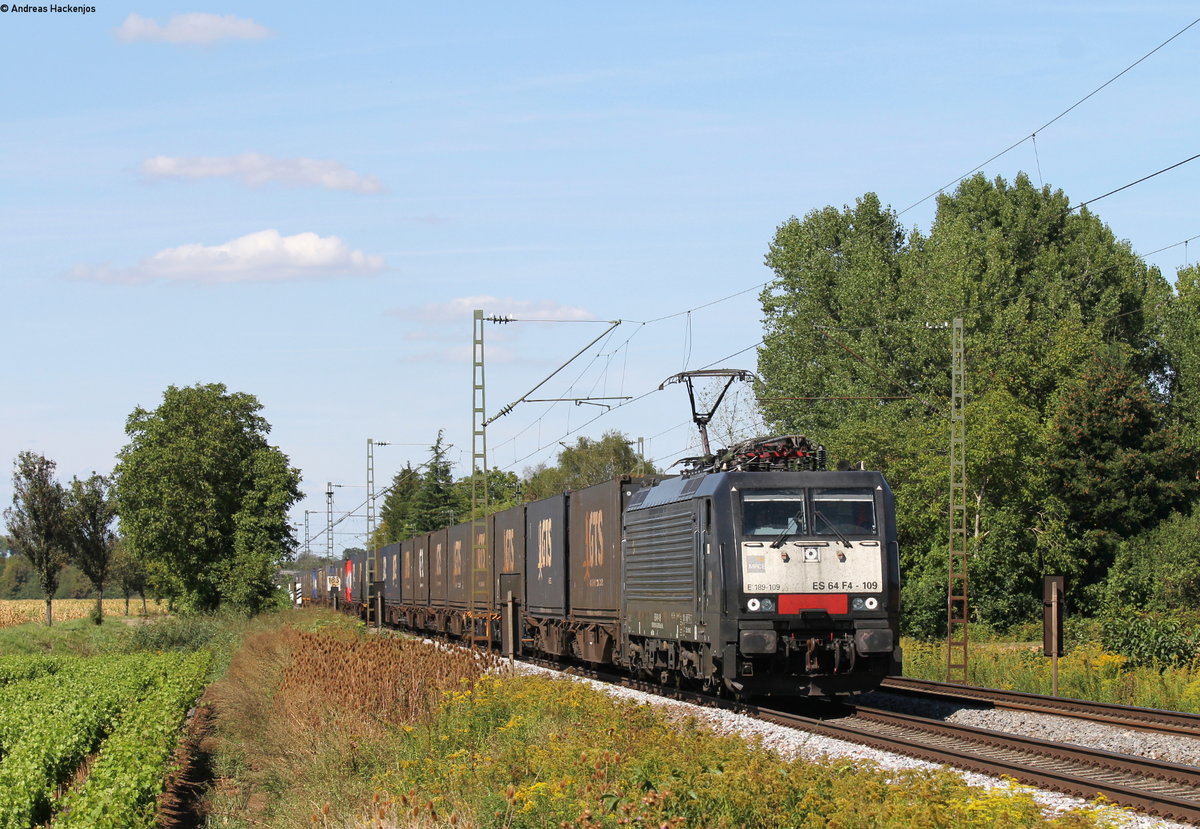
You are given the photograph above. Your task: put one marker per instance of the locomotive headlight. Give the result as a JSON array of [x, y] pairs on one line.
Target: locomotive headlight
[[753, 605], [768, 605], [857, 603], [871, 603]]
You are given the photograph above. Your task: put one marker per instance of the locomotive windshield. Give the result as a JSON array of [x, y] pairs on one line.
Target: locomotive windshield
[[768, 513], [845, 511]]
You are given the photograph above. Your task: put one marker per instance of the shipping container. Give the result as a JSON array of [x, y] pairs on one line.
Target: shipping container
[[386, 574], [438, 568], [508, 554], [459, 565], [407, 571], [546, 557], [595, 548], [481, 567], [421, 571]]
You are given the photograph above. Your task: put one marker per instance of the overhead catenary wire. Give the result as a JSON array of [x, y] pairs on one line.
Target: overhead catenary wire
[[640, 325], [1139, 181], [1033, 133]]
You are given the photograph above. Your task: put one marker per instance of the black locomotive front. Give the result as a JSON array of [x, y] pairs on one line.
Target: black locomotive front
[[786, 582]]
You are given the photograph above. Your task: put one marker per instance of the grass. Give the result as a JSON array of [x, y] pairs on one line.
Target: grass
[[334, 728], [1087, 671], [77, 636]]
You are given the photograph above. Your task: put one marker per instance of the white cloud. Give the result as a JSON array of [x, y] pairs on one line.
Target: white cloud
[[256, 257], [521, 309], [194, 27], [254, 169]]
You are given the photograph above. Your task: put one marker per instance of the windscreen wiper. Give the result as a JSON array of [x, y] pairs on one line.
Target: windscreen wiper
[[796, 519], [836, 531]]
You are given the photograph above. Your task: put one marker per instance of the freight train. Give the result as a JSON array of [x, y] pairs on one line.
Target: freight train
[[759, 573]]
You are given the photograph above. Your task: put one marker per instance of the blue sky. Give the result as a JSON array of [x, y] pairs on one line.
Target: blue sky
[[305, 202]]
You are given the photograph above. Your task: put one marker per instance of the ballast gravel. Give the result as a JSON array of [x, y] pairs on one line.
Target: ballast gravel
[[792, 744]]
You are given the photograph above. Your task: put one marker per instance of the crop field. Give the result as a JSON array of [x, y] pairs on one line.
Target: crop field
[[22, 611], [86, 741]]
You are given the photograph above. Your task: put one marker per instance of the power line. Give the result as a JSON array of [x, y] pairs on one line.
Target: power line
[[1168, 247], [623, 345], [1139, 181], [1034, 133]]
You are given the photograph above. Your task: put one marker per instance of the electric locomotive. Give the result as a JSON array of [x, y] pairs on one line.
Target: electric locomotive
[[763, 574]]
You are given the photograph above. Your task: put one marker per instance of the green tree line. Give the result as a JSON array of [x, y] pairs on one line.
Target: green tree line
[[202, 499], [1082, 386]]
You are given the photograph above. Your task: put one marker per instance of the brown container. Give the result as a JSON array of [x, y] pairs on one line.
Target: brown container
[[545, 557], [508, 554], [421, 571], [408, 569], [481, 566], [389, 564], [458, 561], [594, 522], [438, 568]]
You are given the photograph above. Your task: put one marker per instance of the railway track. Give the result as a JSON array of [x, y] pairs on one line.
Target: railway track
[[1124, 716]]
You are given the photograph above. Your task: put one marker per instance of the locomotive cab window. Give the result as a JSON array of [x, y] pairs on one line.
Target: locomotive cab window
[[845, 511], [767, 513]]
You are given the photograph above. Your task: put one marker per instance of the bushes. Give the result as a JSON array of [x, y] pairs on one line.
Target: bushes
[[1151, 641], [185, 632]]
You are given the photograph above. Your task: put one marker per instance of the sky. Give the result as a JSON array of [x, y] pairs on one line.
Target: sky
[[306, 202]]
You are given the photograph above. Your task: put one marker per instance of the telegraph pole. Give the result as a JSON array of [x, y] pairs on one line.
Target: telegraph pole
[[956, 594]]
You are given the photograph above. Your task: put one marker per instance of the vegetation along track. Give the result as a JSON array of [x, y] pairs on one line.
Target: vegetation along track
[[1162, 789], [1147, 719]]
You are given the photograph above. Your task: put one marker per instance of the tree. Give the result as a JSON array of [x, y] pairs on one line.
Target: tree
[[587, 462], [1115, 467], [90, 512], [203, 497], [859, 308], [17, 574], [129, 572], [437, 502], [1181, 341], [503, 491], [395, 514], [37, 521]]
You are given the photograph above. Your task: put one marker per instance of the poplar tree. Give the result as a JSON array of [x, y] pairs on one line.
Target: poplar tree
[[37, 521], [90, 511]]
